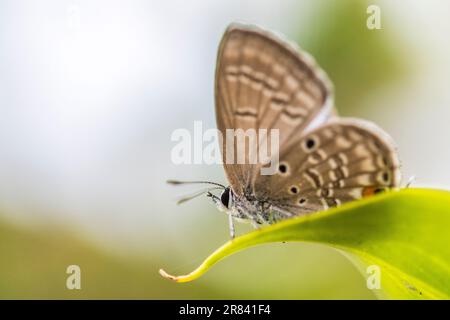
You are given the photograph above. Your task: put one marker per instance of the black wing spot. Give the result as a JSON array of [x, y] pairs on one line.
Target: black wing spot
[[310, 143], [282, 168]]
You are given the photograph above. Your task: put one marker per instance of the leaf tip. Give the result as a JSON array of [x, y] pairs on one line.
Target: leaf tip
[[166, 275]]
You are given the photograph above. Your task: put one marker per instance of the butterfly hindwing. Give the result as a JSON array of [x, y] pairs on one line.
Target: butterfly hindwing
[[343, 160]]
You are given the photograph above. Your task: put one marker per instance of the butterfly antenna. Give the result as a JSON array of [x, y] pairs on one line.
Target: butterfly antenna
[[177, 182], [196, 194]]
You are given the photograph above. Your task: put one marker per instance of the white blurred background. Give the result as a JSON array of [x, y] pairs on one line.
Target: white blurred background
[[90, 92]]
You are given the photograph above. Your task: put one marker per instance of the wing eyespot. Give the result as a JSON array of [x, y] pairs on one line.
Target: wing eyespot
[[384, 177], [370, 191], [293, 190], [283, 168], [310, 143]]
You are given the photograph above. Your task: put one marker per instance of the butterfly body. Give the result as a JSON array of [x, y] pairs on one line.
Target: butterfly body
[[257, 210], [248, 207]]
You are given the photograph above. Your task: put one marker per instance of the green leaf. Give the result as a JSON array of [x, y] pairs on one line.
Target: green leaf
[[405, 233]]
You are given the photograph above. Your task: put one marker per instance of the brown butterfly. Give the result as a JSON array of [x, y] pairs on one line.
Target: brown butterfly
[[263, 81]]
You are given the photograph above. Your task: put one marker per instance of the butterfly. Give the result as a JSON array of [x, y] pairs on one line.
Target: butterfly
[[264, 81]]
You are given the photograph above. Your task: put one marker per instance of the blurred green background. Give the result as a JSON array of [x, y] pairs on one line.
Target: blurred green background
[[90, 93]]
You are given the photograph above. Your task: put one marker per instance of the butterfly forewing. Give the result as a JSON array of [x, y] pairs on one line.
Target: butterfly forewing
[[264, 82]]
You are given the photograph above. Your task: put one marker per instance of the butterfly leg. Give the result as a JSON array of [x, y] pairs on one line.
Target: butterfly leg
[[231, 225], [217, 201], [255, 224]]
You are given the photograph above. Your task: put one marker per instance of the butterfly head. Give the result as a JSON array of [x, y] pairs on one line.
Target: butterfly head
[[224, 202], [242, 207]]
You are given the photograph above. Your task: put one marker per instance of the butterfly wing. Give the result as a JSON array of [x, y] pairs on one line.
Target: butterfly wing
[[265, 82], [343, 160]]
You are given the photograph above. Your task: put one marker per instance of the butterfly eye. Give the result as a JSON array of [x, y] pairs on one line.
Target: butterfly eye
[[225, 197]]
